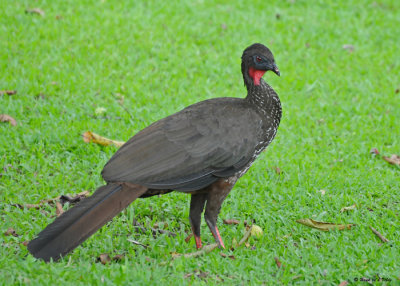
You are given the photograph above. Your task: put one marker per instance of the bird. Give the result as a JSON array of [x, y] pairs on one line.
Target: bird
[[201, 150]]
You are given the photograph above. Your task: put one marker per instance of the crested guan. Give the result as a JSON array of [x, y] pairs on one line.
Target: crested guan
[[202, 150]]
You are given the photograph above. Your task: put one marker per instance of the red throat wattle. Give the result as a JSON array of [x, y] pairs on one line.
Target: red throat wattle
[[256, 75]]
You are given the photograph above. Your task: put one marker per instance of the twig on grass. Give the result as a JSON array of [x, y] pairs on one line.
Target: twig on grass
[[378, 234], [137, 243], [206, 249]]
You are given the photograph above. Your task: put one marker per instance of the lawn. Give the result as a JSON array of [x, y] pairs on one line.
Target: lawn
[[144, 60]]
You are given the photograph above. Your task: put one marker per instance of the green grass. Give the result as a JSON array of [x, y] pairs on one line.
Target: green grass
[[162, 56]]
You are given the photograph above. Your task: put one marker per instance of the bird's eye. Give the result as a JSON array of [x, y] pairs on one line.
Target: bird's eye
[[258, 59]]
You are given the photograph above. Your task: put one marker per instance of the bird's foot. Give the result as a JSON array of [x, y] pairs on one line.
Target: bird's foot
[[198, 241], [217, 237]]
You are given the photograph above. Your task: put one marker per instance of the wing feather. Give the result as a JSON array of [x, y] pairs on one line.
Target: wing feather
[[189, 149]]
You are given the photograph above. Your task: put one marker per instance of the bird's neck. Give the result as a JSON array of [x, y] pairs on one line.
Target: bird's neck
[[264, 99]]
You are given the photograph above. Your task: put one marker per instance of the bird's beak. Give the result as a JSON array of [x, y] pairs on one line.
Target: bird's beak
[[276, 70]]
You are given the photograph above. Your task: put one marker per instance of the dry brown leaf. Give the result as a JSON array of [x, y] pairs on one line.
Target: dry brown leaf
[[324, 226], [187, 239], [8, 118], [225, 256], [37, 11], [188, 275], [104, 258], [277, 170], [11, 231], [59, 209], [278, 262], [89, 136], [394, 159], [378, 234], [343, 283], [8, 92], [350, 208], [230, 221]]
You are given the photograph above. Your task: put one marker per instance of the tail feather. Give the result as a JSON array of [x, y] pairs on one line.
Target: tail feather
[[77, 224]]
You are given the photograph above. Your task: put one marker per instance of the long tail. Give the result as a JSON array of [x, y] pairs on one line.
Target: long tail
[[78, 223]]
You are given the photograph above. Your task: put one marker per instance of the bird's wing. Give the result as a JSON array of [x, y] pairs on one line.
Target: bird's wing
[[189, 149]]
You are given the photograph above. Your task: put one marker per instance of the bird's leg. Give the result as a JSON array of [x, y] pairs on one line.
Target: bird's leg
[[216, 196], [196, 208]]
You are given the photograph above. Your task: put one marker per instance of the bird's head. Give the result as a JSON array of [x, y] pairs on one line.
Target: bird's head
[[256, 60]]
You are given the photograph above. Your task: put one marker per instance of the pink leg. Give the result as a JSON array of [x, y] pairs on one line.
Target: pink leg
[[198, 241]]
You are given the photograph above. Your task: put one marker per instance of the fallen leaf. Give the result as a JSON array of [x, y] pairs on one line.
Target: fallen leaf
[[104, 258], [118, 257], [89, 136], [230, 221], [11, 231], [8, 92], [187, 239], [201, 274], [37, 11], [245, 236], [25, 243], [343, 283], [394, 159], [324, 226], [234, 243], [374, 151], [188, 275], [59, 209], [350, 208], [225, 256], [278, 262], [322, 192], [348, 47], [397, 90], [204, 250], [278, 170], [378, 234], [8, 118]]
